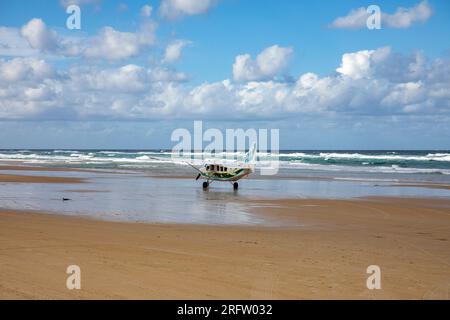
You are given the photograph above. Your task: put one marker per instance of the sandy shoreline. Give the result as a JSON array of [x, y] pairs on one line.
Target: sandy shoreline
[[320, 251], [325, 258]]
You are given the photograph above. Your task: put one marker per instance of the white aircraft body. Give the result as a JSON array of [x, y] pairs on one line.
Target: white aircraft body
[[222, 172]]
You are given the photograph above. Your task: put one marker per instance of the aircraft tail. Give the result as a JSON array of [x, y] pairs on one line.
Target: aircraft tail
[[250, 156]]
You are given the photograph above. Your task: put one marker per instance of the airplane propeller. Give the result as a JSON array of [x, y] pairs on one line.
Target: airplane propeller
[[198, 177]]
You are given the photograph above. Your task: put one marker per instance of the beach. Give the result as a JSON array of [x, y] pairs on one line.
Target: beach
[[290, 248], [221, 149]]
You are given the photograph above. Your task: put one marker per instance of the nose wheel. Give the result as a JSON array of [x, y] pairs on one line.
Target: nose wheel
[[205, 185], [235, 186]]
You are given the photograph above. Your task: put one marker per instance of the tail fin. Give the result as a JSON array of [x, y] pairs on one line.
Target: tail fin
[[250, 156]]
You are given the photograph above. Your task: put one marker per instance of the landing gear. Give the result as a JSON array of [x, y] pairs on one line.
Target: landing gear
[[207, 183]]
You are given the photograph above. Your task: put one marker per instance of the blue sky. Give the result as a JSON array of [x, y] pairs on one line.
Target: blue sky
[[239, 63]]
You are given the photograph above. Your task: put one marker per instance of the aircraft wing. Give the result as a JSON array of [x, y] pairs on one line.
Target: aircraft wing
[[168, 160], [197, 169]]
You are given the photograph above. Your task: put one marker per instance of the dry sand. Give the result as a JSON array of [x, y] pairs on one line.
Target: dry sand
[[326, 257]]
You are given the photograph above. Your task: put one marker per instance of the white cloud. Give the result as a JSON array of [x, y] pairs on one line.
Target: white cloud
[[173, 9], [115, 45], [166, 75], [269, 63], [401, 18], [356, 65], [405, 17], [47, 41], [355, 19], [21, 69], [129, 78], [36, 38], [173, 50], [29, 88], [407, 95], [146, 10], [368, 83], [39, 36], [13, 44], [39, 93]]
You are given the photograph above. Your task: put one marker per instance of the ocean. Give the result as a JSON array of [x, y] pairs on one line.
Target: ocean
[[425, 164]]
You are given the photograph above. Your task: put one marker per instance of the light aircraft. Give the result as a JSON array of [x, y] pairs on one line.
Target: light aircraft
[[221, 172]]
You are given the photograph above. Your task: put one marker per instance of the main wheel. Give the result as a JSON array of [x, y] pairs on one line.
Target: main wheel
[[205, 185], [235, 186]]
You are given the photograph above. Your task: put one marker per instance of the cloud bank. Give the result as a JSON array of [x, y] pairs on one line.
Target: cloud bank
[[367, 83]]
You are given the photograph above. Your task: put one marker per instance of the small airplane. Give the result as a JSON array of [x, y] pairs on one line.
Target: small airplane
[[220, 172]]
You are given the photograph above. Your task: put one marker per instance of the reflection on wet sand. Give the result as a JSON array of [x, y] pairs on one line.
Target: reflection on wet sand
[[133, 196]]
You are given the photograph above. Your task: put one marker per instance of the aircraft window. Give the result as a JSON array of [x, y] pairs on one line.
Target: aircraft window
[[207, 167], [226, 169]]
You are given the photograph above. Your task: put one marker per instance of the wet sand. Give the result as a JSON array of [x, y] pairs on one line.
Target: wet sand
[[11, 167], [324, 256], [14, 178], [426, 185]]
